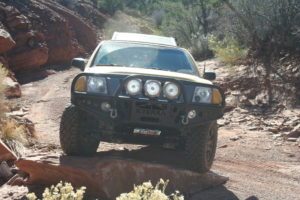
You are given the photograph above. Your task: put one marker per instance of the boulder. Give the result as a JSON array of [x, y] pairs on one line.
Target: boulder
[[295, 133], [29, 59], [6, 42], [109, 178], [45, 32], [13, 88], [5, 172]]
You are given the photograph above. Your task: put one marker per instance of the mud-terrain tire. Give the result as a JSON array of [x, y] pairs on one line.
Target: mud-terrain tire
[[78, 132], [200, 147]]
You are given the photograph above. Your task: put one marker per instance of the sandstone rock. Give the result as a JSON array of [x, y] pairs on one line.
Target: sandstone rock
[[107, 178], [31, 59], [292, 139], [89, 12], [295, 133], [5, 153], [13, 192], [44, 32], [6, 42], [274, 130], [5, 171], [85, 34], [13, 88], [234, 138]]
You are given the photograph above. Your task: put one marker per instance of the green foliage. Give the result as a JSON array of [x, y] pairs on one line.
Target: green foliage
[[191, 22], [62, 191], [268, 27], [110, 6], [228, 50], [147, 191]]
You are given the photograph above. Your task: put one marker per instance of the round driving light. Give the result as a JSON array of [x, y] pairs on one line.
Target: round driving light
[[152, 88], [171, 90], [192, 114], [105, 106], [134, 87]]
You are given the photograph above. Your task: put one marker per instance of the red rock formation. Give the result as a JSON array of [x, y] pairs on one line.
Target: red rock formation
[[45, 33], [6, 42], [30, 59], [14, 89], [87, 11], [108, 178]]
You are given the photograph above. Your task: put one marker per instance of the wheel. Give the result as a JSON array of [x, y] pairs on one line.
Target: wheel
[[200, 147], [78, 132]]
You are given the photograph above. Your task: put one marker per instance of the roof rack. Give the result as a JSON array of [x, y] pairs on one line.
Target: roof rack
[[137, 37]]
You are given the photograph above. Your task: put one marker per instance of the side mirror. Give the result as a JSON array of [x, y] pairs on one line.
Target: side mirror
[[210, 76], [79, 63]]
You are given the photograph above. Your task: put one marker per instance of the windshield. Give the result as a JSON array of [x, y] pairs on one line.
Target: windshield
[[144, 56]]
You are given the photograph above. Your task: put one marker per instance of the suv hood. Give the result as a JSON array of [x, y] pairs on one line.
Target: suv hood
[[148, 72]]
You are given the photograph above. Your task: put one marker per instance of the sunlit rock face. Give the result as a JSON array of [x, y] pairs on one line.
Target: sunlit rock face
[[36, 32]]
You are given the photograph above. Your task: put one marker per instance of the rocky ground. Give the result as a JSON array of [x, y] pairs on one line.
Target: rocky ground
[[261, 162]]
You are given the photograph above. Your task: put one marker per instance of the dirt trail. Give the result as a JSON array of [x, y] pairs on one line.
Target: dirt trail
[[258, 168]]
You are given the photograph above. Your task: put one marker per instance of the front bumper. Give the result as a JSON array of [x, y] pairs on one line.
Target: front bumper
[[147, 113], [143, 112]]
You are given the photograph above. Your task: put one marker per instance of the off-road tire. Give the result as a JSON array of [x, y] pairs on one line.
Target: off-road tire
[[78, 132], [200, 147]]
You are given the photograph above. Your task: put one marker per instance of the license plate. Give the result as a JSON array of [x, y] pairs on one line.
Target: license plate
[[140, 131]]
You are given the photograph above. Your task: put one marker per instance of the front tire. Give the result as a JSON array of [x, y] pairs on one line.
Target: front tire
[[78, 132], [200, 148]]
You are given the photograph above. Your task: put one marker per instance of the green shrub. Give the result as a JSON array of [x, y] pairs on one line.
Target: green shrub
[[227, 50], [147, 191], [110, 6], [62, 191]]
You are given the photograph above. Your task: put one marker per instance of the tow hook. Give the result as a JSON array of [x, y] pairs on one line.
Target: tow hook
[[113, 113], [185, 120]]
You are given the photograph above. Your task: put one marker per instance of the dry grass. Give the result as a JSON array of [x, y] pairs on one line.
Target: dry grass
[[3, 74], [11, 133]]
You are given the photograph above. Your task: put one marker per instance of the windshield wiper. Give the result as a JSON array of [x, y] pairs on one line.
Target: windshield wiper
[[159, 69], [110, 65]]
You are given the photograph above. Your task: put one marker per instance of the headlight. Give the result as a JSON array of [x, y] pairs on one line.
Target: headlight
[[134, 87], [202, 95], [96, 84], [152, 88], [171, 90]]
